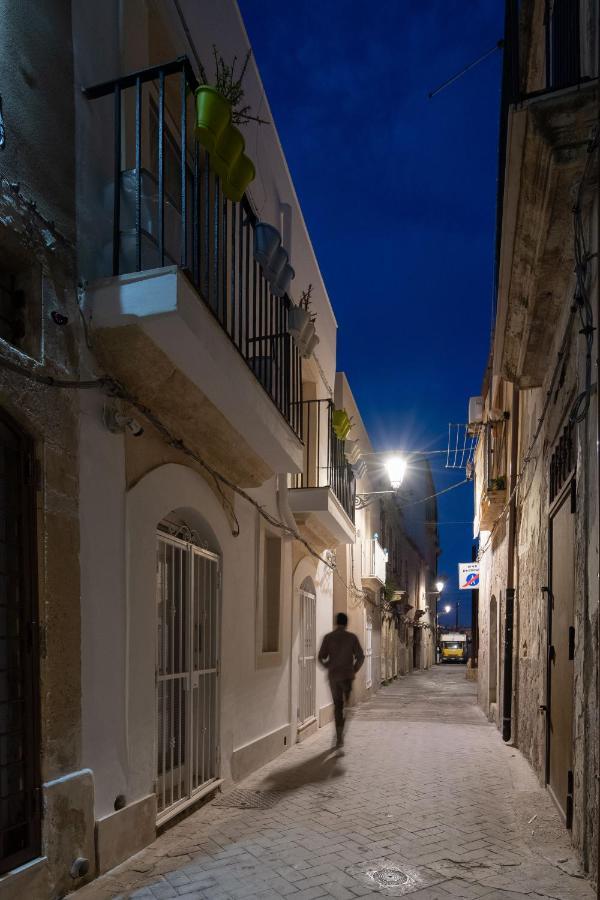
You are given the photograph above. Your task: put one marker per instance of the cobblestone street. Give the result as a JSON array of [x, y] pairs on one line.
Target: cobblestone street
[[426, 800]]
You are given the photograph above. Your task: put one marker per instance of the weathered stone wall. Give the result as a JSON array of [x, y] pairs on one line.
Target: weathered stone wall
[[37, 226]]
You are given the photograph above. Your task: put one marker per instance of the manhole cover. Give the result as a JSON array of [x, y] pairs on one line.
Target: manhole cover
[[389, 877], [392, 877], [243, 799]]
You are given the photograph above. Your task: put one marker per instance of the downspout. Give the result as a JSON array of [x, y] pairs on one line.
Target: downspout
[[509, 642], [286, 515]]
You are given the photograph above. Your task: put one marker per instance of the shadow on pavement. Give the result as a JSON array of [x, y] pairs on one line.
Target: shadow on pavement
[[322, 767]]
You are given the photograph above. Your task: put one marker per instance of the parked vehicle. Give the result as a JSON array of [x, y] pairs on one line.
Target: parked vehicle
[[453, 647]]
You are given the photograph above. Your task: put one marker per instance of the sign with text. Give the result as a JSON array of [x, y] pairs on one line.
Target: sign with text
[[468, 576]]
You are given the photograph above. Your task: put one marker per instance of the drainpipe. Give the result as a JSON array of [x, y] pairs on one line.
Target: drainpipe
[[509, 642], [286, 515]]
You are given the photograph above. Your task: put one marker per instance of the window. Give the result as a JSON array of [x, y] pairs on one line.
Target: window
[[271, 593], [20, 296]]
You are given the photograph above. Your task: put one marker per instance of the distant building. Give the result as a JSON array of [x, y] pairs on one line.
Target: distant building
[[536, 467]]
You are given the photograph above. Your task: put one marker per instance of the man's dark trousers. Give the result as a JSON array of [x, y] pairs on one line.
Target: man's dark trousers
[[340, 692]]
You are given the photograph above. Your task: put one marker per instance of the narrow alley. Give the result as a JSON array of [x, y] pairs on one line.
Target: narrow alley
[[425, 800]]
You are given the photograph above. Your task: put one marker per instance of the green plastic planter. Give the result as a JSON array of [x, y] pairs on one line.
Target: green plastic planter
[[213, 115], [341, 424], [223, 141]]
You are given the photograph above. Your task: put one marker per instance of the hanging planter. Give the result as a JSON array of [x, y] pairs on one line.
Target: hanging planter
[[223, 141], [309, 342], [213, 116], [298, 322], [272, 258], [341, 424]]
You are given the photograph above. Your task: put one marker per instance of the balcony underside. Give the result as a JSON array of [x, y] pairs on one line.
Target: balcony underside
[[546, 155], [491, 507], [320, 517], [153, 333], [372, 582]]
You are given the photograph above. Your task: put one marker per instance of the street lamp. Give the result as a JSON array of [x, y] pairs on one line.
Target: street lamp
[[439, 586], [396, 469]]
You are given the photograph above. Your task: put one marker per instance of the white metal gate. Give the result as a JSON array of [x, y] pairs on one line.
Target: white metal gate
[[368, 652], [308, 657], [187, 606]]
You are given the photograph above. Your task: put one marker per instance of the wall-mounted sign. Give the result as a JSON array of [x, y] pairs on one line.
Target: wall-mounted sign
[[468, 576]]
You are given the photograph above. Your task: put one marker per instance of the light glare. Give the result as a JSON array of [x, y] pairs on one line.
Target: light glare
[[396, 469]]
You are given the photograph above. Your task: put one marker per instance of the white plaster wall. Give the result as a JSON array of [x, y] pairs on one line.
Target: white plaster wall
[[118, 532], [103, 609]]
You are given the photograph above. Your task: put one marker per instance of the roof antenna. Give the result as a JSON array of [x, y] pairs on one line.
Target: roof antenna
[[497, 46]]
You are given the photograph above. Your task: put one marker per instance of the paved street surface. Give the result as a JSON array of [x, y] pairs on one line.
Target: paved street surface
[[426, 801]]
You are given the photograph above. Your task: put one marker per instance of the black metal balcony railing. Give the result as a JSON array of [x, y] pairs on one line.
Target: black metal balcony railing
[[168, 208], [562, 49], [325, 463]]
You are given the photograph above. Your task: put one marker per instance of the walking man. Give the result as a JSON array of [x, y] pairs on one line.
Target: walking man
[[342, 656]]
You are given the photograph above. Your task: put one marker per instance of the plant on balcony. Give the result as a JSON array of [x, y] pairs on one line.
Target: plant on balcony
[[341, 423], [218, 111], [272, 258], [497, 484], [301, 324]]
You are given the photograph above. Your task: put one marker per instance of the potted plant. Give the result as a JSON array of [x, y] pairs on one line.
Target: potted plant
[[272, 257], [218, 111], [341, 424]]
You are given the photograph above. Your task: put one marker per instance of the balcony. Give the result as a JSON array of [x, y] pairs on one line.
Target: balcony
[[549, 109], [185, 318], [374, 562], [322, 495]]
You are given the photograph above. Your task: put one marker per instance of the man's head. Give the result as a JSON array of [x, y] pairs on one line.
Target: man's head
[[341, 620]]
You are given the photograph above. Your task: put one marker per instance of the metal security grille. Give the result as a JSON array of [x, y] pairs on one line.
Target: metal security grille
[[19, 743], [308, 657], [368, 652], [186, 672]]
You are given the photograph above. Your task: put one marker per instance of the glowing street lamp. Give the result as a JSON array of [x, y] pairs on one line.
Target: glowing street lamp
[[396, 469], [439, 586], [447, 608]]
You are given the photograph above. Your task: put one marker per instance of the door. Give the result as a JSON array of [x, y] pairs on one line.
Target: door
[[19, 692], [308, 656], [561, 652], [368, 652], [186, 672]]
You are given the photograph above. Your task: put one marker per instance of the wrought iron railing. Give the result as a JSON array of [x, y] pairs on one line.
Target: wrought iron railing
[[325, 463], [168, 208]]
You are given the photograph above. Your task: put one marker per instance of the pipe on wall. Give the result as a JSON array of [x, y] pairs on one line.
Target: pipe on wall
[[509, 643]]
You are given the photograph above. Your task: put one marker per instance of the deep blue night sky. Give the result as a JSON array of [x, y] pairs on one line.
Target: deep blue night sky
[[398, 192]]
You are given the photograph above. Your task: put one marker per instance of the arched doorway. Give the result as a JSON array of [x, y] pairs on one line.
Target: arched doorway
[[493, 652], [188, 582], [19, 722], [307, 660]]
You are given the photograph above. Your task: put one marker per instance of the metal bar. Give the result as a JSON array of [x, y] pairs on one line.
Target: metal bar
[[234, 266], [183, 87], [161, 168], [224, 264], [138, 175], [182, 63], [117, 185], [196, 216], [207, 244], [247, 304], [216, 213]]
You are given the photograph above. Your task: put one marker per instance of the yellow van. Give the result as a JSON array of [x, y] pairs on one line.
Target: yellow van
[[453, 647]]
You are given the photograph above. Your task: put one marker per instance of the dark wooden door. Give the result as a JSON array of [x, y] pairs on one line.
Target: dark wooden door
[[561, 647], [19, 743]]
